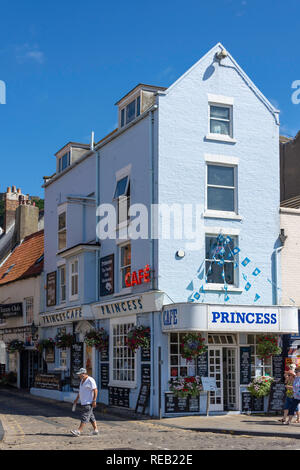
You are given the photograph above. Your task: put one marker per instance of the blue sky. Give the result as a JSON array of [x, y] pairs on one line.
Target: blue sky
[[65, 63]]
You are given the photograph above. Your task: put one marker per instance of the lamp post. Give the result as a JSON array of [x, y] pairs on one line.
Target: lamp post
[[34, 330]]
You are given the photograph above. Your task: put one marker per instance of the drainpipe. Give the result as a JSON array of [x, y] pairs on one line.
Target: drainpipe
[[97, 156], [153, 282], [276, 269]]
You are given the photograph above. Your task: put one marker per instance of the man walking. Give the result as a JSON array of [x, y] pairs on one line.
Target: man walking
[[88, 395], [296, 396]]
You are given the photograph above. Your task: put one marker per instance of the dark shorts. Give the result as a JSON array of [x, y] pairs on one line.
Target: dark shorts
[[87, 414], [288, 402], [293, 406]]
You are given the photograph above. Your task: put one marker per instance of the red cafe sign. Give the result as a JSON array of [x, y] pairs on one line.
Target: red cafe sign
[[138, 277]]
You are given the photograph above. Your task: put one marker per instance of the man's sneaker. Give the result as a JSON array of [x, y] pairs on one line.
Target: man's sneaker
[[75, 433], [95, 433]]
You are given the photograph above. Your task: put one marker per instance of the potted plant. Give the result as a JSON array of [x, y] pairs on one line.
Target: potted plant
[[15, 345], [186, 386], [97, 338], [138, 337], [260, 386], [192, 346], [64, 340], [267, 347]]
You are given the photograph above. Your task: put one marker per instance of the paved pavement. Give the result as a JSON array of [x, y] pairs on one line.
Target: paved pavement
[[33, 422]]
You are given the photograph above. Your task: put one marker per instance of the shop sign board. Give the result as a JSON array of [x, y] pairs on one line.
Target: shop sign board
[[11, 310], [51, 289], [65, 316], [107, 275]]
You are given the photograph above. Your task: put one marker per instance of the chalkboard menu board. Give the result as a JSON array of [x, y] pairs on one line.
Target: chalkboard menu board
[[251, 403], [146, 373], [181, 405], [143, 398], [76, 363], [277, 397], [48, 381], [119, 396], [107, 275], [245, 365], [202, 365], [246, 402], [278, 368], [146, 354], [104, 354], [104, 376]]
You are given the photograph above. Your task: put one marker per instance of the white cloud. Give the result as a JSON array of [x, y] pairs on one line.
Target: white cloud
[[26, 53]]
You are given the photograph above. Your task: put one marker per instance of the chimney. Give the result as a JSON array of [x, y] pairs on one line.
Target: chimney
[[27, 220], [11, 202]]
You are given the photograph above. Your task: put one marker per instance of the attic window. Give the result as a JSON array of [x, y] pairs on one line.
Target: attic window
[[8, 271], [131, 111], [64, 162], [39, 260]]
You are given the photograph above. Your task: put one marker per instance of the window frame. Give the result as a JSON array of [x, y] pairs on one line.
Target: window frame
[[121, 268], [230, 120], [60, 161], [129, 321], [218, 285], [124, 110], [71, 276], [122, 201], [62, 230], [26, 301], [233, 188], [256, 363], [61, 286], [187, 365]]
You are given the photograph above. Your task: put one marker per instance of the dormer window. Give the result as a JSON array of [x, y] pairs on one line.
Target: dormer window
[[131, 111], [64, 162]]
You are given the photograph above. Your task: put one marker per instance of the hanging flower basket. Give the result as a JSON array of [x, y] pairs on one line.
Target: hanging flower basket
[[192, 346], [138, 337], [15, 345], [186, 386], [45, 344], [97, 338], [267, 347], [261, 386], [64, 341]]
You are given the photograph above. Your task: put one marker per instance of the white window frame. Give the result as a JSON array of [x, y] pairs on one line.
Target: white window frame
[[221, 105], [191, 367], [233, 213], [28, 301], [124, 109], [62, 210], [258, 367], [220, 286], [60, 168], [121, 268], [61, 286], [121, 321], [222, 102], [71, 276]]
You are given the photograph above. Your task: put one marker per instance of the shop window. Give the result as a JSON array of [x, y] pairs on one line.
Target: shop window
[[258, 367], [125, 263], [219, 261], [179, 367], [123, 359], [29, 310]]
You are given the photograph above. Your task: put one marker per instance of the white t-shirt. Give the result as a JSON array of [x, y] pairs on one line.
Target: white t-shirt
[[86, 391]]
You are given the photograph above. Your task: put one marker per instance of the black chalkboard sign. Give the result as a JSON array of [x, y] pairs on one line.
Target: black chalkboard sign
[[119, 396], [104, 374], [146, 353], [278, 368], [143, 398], [146, 373], [107, 275], [277, 396], [245, 365], [246, 402], [104, 354], [76, 363], [202, 365], [257, 403], [174, 404]]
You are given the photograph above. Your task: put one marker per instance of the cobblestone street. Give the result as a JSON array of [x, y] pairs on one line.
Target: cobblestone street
[[33, 424]]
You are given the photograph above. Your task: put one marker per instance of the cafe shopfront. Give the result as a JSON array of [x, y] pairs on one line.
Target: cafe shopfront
[[58, 379], [231, 360]]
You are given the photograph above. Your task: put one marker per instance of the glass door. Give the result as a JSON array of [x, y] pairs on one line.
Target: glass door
[[215, 369], [229, 369]]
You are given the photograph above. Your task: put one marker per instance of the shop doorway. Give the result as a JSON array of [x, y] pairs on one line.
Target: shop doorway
[[30, 364], [222, 360]]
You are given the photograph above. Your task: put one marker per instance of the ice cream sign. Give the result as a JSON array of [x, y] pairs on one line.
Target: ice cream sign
[[136, 278]]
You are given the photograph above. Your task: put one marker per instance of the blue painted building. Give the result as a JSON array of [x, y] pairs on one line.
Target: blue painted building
[[191, 177]]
